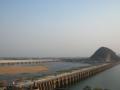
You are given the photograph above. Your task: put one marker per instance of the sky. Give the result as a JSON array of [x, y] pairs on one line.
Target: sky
[[58, 28]]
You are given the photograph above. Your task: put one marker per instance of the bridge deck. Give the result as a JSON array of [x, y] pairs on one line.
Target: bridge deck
[[54, 77]]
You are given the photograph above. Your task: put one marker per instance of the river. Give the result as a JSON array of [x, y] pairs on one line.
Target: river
[[109, 79], [53, 68]]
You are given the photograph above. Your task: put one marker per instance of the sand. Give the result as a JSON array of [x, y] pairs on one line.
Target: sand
[[22, 69]]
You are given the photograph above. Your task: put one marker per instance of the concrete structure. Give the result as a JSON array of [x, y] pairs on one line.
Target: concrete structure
[[12, 62], [64, 79]]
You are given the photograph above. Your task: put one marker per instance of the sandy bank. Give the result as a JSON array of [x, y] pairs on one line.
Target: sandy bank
[[22, 69]]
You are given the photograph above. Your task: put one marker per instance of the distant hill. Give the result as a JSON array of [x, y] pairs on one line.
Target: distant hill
[[104, 54]]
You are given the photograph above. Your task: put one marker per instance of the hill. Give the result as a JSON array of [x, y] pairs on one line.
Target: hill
[[104, 54]]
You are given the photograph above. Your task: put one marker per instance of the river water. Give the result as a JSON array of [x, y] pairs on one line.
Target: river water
[[109, 79], [53, 68]]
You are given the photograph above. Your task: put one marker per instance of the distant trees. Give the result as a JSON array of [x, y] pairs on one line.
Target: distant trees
[[90, 88]]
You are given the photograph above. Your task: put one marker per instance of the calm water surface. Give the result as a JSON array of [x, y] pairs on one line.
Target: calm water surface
[[109, 79]]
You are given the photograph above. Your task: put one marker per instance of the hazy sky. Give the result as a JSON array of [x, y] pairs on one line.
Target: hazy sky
[[66, 28]]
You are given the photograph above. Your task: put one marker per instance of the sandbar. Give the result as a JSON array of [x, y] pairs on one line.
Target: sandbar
[[22, 69]]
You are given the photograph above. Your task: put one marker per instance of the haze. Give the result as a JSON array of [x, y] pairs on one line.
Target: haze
[[58, 28]]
